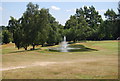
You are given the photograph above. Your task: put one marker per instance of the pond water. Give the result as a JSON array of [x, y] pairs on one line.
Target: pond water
[[65, 47]]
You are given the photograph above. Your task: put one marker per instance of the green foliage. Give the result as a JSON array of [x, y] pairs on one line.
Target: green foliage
[[34, 27], [5, 36], [84, 24], [87, 24], [110, 14], [109, 28], [54, 36], [44, 25], [40, 27]]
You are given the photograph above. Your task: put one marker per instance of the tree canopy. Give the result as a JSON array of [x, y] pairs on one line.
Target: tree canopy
[[38, 27]]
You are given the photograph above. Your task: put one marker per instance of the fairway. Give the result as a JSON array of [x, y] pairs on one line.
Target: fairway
[[101, 63]]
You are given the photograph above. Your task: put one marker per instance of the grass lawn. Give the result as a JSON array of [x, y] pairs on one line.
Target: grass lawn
[[101, 63]]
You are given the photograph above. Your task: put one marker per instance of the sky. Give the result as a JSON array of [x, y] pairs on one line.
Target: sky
[[60, 10]]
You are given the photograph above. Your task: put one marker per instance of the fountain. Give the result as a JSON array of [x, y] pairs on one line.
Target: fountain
[[63, 47]]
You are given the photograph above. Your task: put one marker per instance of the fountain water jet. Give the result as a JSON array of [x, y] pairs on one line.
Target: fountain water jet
[[63, 47]]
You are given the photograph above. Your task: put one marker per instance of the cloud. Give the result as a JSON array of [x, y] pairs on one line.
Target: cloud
[[39, 9], [103, 11], [55, 8], [1, 8], [70, 10]]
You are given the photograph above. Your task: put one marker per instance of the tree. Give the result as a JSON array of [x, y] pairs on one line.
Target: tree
[[84, 24], [93, 20], [118, 20], [70, 28], [109, 27], [5, 36], [0, 35], [34, 24], [29, 24], [54, 36], [16, 29], [34, 27], [43, 26], [83, 30], [11, 26], [119, 7], [110, 15]]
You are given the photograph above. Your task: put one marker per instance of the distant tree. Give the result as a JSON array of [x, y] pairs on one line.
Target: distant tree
[[109, 29], [6, 37]]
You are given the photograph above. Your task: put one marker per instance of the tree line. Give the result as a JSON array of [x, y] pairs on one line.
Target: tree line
[[39, 27], [87, 24], [35, 27]]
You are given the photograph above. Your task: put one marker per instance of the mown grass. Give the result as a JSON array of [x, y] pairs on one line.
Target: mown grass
[[100, 64]]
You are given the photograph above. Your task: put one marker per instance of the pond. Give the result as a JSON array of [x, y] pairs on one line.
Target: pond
[[72, 48], [65, 47]]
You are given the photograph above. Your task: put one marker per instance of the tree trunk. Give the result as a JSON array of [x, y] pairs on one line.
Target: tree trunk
[[33, 46], [18, 48], [42, 45], [25, 48], [74, 41]]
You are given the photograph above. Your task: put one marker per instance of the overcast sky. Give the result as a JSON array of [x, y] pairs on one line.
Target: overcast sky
[[60, 10]]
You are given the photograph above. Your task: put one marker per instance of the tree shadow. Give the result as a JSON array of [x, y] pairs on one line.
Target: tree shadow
[[71, 42], [82, 48], [25, 50]]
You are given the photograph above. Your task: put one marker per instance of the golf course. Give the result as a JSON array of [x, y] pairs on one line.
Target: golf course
[[60, 40], [99, 62]]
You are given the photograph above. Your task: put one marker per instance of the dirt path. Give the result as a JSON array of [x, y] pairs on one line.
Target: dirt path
[[34, 64], [25, 66], [47, 63]]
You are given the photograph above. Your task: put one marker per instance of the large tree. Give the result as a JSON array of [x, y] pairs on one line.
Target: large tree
[[35, 27], [109, 27], [29, 24], [84, 24], [15, 29]]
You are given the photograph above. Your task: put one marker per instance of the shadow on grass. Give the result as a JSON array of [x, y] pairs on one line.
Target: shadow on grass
[[25, 50], [71, 42], [82, 49]]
